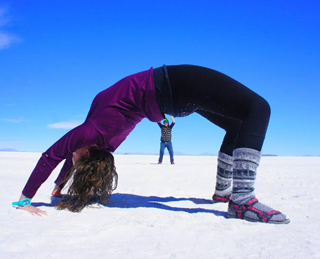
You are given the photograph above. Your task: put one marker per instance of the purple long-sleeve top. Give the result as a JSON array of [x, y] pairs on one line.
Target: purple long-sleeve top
[[114, 113]]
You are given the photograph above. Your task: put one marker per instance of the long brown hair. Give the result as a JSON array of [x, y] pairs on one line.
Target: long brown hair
[[94, 179]]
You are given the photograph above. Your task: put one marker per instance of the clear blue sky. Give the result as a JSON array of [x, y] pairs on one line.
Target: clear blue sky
[[55, 56]]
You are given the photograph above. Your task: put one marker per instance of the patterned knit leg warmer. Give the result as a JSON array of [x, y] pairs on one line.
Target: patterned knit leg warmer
[[224, 178], [244, 205], [245, 164]]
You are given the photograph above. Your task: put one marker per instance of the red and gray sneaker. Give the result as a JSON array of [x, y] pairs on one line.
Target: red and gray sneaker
[[255, 211], [217, 198], [172, 162], [159, 163]]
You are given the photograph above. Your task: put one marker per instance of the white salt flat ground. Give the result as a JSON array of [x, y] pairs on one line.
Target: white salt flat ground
[[164, 211]]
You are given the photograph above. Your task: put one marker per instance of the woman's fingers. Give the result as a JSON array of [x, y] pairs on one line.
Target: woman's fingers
[[33, 210]]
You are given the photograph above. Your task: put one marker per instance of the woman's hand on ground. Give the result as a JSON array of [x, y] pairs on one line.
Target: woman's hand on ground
[[33, 210]]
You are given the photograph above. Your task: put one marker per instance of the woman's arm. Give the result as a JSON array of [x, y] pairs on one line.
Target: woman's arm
[[172, 119], [31, 209], [64, 170], [83, 135]]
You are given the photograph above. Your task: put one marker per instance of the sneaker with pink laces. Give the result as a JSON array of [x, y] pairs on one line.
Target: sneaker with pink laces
[[255, 211], [216, 198]]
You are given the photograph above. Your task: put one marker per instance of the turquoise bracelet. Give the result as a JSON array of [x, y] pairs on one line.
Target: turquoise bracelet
[[24, 202]]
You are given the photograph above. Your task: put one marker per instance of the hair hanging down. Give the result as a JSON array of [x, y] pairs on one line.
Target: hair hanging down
[[94, 179]]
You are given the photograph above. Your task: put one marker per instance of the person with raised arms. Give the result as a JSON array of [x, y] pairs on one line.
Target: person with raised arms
[[165, 140]]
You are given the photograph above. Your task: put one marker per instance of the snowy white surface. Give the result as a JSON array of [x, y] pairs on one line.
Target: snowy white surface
[[164, 211]]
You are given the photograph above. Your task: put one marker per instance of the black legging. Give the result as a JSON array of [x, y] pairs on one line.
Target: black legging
[[243, 114]]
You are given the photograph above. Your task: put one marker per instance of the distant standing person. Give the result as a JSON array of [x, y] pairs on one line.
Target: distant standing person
[[166, 135]]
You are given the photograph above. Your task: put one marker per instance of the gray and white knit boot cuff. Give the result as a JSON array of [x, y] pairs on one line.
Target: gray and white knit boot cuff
[[224, 175], [245, 165]]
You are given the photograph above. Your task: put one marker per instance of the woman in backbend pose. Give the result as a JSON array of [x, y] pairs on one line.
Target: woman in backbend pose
[[177, 91]]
